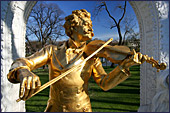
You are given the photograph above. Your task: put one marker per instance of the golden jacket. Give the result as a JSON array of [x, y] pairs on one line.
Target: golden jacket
[[71, 92]]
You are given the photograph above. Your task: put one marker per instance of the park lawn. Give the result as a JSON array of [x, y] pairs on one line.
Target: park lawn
[[123, 98]]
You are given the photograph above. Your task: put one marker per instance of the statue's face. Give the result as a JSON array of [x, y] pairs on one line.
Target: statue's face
[[84, 32]]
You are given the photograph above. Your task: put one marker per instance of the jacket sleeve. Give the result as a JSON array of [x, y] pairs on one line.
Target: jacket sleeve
[[110, 80], [32, 62]]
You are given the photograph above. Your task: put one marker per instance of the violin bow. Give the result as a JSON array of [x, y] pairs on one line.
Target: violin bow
[[67, 72]]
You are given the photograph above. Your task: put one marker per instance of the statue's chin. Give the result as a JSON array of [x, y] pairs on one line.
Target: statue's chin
[[87, 37]]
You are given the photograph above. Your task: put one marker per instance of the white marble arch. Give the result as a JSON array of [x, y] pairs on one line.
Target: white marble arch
[[153, 19]]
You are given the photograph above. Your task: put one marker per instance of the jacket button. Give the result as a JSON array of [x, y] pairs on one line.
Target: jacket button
[[64, 108], [78, 91], [85, 109], [78, 105], [61, 92]]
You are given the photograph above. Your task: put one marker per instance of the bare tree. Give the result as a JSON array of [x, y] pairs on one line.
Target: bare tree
[[128, 22], [45, 24], [116, 24], [128, 27]]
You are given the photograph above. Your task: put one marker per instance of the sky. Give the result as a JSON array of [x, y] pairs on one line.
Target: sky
[[102, 22]]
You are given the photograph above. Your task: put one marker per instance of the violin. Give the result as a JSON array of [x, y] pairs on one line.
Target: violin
[[116, 54]]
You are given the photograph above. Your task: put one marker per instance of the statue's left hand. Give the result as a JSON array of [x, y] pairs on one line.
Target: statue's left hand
[[135, 59]]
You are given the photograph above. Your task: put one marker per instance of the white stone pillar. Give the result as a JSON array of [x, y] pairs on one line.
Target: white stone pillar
[[13, 26], [160, 102], [154, 35]]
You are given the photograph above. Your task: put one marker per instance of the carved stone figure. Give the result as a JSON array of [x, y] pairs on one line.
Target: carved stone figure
[[70, 94]]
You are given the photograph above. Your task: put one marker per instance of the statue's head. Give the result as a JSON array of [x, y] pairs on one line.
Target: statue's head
[[79, 24]]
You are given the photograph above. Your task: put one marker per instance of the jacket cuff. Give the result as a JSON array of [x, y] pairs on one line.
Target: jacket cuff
[[125, 71], [12, 75]]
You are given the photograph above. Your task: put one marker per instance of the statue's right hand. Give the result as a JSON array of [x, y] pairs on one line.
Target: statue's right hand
[[29, 83]]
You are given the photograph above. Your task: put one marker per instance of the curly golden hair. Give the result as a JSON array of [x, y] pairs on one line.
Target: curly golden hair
[[77, 18]]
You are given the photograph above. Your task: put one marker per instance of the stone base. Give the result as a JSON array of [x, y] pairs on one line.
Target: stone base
[[144, 108]]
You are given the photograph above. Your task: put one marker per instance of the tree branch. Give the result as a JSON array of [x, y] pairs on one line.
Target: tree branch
[[124, 11], [109, 13]]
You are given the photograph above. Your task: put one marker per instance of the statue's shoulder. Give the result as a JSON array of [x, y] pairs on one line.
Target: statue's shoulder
[[57, 45]]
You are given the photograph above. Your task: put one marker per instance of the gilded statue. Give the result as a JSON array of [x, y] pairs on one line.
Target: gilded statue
[[70, 93]]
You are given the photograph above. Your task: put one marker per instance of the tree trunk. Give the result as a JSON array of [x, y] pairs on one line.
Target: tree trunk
[[120, 35], [112, 65]]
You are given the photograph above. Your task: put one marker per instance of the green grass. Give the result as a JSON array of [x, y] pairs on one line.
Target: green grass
[[122, 98]]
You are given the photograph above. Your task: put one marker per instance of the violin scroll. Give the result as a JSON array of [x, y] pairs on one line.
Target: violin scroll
[[161, 66]]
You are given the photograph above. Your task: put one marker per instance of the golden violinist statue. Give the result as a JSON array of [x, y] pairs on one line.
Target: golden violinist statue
[[70, 93]]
